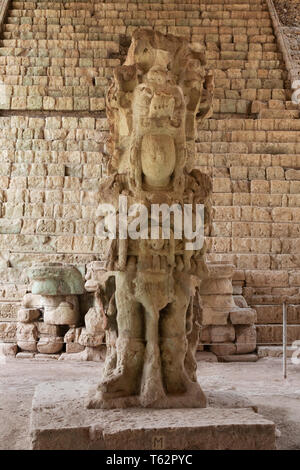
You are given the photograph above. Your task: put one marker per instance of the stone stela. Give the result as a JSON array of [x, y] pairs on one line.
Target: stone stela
[[153, 332]]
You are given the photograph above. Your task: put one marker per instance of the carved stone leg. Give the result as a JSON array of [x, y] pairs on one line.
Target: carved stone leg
[[174, 349], [152, 387], [193, 333], [174, 343], [124, 380], [111, 353]]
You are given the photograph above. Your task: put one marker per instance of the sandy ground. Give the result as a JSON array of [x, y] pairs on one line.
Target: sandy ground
[[277, 399]]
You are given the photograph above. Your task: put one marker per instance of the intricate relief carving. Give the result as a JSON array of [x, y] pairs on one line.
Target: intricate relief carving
[[152, 105]]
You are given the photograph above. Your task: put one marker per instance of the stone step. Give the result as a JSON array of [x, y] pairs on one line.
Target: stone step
[[29, 61], [249, 136], [100, 10], [83, 76], [278, 114], [154, 4], [272, 334], [88, 54], [40, 44], [274, 351], [255, 214], [249, 124], [58, 75], [232, 6], [272, 148], [272, 314], [263, 229], [50, 103], [253, 46], [257, 163], [250, 72], [52, 86], [258, 245], [59, 36], [232, 75], [193, 18], [260, 35], [239, 358], [220, 55], [256, 148], [242, 64], [261, 204], [262, 86]]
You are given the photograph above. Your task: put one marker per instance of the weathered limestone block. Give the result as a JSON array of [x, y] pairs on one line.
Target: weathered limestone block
[[63, 314], [25, 355], [27, 336], [8, 349], [272, 334], [50, 345], [28, 315], [215, 286], [223, 349], [72, 335], [54, 290], [231, 311], [239, 358], [95, 354], [222, 334], [46, 357], [94, 322], [91, 339], [240, 301], [205, 335], [74, 348], [48, 330], [274, 351], [8, 332], [55, 279], [243, 316], [218, 301], [217, 305], [213, 316], [8, 311], [267, 278], [206, 356], [245, 339], [31, 301]]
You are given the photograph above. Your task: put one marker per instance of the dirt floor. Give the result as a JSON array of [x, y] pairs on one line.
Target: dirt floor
[[277, 399]]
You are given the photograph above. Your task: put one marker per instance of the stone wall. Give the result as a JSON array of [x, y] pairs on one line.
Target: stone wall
[[55, 62]]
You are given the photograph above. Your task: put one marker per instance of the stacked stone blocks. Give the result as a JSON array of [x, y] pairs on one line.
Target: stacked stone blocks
[[57, 57]]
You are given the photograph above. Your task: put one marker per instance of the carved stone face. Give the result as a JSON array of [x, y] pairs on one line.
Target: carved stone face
[[157, 98], [158, 157]]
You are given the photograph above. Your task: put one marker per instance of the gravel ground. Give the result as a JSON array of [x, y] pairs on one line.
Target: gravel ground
[[277, 399], [288, 11]]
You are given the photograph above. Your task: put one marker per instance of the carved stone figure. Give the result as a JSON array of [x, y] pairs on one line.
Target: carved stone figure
[[152, 105]]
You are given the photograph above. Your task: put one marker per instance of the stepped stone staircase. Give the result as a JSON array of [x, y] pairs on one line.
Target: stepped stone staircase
[[55, 62]]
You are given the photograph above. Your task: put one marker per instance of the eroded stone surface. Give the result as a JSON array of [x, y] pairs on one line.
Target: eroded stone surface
[[55, 279], [50, 345], [152, 329], [8, 349], [60, 421], [7, 332]]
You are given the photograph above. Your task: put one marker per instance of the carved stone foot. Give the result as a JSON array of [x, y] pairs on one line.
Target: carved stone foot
[[119, 384]]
